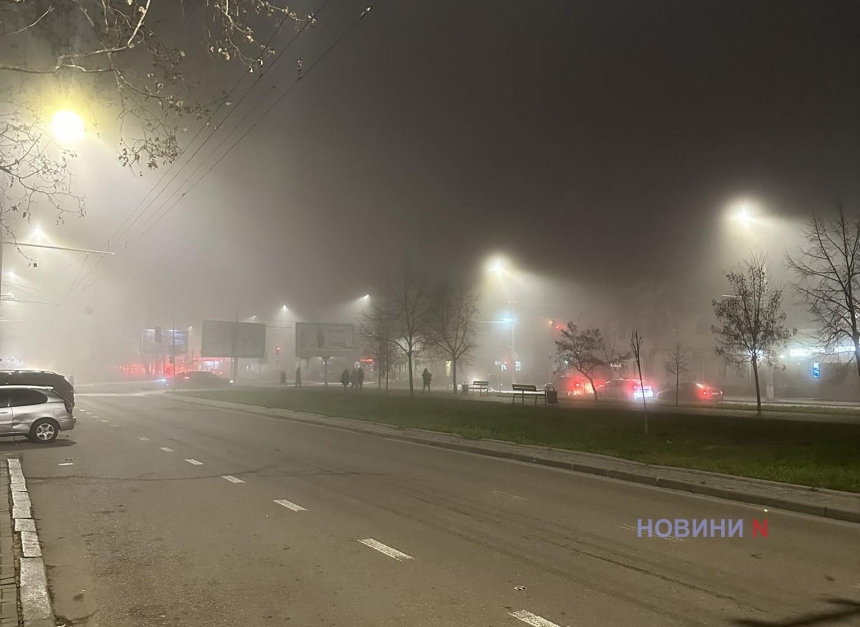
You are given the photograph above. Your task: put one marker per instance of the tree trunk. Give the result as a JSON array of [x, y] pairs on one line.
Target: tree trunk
[[757, 388], [411, 385], [642, 389], [677, 385], [857, 351], [454, 374], [593, 387]]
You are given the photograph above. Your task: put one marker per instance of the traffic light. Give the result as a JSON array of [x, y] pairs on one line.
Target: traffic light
[[277, 350]]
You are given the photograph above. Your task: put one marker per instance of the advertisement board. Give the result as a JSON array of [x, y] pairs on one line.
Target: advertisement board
[[324, 339], [224, 338], [173, 341]]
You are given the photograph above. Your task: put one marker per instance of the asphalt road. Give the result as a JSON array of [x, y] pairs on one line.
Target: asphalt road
[[161, 513]]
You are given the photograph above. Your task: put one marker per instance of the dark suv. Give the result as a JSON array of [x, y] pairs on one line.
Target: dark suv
[[43, 378]]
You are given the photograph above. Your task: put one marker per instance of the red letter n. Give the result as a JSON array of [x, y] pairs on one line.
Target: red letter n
[[759, 527]]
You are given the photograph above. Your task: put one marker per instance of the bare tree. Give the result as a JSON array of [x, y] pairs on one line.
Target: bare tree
[[407, 303], [827, 272], [117, 60], [677, 363], [751, 321], [454, 324], [582, 350], [377, 330], [636, 342]]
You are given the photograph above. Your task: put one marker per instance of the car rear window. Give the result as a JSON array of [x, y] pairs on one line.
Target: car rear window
[[21, 398]]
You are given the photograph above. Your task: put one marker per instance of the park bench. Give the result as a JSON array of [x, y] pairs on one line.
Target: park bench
[[480, 386], [548, 394]]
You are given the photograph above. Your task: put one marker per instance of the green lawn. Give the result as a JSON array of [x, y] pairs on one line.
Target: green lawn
[[814, 454]]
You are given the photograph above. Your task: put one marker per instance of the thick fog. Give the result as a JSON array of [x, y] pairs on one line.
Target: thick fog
[[601, 175]]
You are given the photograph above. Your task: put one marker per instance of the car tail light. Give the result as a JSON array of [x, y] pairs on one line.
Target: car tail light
[[69, 407]]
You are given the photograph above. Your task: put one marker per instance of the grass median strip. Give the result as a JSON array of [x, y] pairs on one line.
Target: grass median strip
[[816, 454]]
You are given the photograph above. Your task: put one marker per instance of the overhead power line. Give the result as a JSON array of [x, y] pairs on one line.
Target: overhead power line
[[252, 127], [147, 223], [121, 230]]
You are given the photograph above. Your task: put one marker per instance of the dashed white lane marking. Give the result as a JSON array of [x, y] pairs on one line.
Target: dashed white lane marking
[[103, 420], [166, 449], [142, 439], [292, 506], [532, 619], [636, 530], [387, 550], [194, 462], [232, 479], [509, 496], [117, 426], [67, 464]]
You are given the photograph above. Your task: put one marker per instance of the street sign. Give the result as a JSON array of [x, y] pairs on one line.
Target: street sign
[[500, 363], [518, 365], [816, 370]]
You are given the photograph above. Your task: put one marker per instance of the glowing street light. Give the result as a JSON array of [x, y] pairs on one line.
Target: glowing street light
[[745, 213], [67, 126]]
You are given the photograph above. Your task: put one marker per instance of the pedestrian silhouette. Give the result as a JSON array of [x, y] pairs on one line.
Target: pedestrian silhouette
[[426, 376], [344, 378]]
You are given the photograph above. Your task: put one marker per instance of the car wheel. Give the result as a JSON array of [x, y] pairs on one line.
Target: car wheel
[[44, 431]]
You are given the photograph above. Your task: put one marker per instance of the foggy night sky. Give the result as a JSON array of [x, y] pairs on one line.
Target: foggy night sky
[[593, 142]]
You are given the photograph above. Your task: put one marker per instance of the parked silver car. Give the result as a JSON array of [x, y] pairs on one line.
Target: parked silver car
[[34, 411]]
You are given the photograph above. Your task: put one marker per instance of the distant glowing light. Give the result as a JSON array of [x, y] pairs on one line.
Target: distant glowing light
[[67, 126]]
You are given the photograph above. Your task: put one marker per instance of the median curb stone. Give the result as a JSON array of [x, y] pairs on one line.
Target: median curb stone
[[844, 506]]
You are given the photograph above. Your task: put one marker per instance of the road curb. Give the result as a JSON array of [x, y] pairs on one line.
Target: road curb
[[36, 609], [394, 433]]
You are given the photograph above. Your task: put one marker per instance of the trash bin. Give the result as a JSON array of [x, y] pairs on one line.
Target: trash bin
[[551, 395], [465, 388]]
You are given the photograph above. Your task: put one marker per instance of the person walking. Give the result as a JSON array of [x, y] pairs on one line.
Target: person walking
[[359, 375], [344, 378], [426, 377]]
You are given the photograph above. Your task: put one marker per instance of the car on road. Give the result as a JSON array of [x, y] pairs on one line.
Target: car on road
[[574, 385], [37, 412], [199, 379], [625, 390], [44, 378], [690, 392]]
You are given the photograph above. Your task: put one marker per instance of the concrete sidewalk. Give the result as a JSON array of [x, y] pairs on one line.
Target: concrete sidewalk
[[814, 501]]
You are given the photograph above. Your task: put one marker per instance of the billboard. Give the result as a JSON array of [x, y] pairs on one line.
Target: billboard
[[173, 341], [222, 338], [324, 339]]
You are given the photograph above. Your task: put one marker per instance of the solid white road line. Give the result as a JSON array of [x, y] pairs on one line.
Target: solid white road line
[[232, 479], [143, 439], [387, 550], [509, 496], [166, 449], [532, 619], [194, 462], [292, 506], [66, 464]]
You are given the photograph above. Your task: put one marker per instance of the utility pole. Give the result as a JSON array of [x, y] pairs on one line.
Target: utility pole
[[233, 348], [173, 342]]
